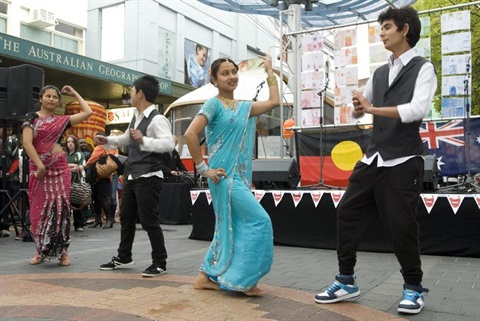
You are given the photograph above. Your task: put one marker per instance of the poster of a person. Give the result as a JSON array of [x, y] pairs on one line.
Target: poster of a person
[[197, 61]]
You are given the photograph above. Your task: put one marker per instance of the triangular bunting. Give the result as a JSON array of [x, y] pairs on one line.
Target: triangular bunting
[[259, 194], [316, 197], [297, 197], [209, 197], [194, 196], [278, 196], [476, 197], [455, 201], [336, 197], [429, 201]]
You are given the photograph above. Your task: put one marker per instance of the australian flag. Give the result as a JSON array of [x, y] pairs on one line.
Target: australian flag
[[447, 140]]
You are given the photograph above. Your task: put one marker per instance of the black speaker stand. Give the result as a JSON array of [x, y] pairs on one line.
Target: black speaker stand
[[22, 193], [13, 209]]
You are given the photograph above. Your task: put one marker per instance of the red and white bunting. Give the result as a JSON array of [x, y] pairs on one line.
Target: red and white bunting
[[429, 201], [297, 197], [209, 196], [259, 194], [316, 197], [278, 196], [476, 197], [336, 197], [194, 196], [455, 201]]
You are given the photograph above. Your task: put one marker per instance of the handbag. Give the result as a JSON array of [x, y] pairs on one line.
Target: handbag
[[80, 192], [108, 164]]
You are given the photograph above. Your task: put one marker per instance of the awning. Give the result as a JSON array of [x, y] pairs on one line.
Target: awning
[[324, 13], [93, 79]]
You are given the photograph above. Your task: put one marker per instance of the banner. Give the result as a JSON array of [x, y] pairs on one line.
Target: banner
[[342, 149]]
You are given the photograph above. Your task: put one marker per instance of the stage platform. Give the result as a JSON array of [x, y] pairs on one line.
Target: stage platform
[[449, 223]]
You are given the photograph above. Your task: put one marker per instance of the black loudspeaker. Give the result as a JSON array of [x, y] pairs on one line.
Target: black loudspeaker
[[430, 175], [3, 90], [24, 85], [275, 173]]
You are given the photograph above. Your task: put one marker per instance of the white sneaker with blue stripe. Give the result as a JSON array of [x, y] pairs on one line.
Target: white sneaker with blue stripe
[[412, 302], [343, 288]]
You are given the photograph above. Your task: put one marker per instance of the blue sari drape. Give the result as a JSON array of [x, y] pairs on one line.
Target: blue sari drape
[[241, 251]]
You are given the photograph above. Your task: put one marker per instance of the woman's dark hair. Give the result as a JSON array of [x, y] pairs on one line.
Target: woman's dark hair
[[75, 143], [216, 65], [149, 86], [44, 89], [402, 16]]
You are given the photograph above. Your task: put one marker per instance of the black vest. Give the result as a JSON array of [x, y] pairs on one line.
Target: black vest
[[139, 162], [390, 137]]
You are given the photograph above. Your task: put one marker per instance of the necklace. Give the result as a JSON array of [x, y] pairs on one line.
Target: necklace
[[231, 103]]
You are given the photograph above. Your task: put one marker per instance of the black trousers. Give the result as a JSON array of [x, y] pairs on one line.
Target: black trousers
[[140, 198], [392, 193], [101, 199], [78, 219]]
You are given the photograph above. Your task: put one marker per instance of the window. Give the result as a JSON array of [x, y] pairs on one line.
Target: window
[[69, 30], [3, 16], [57, 39], [36, 35], [65, 43], [113, 28], [3, 24], [3, 8]]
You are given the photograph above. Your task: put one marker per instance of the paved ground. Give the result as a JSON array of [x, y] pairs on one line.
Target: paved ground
[[81, 291]]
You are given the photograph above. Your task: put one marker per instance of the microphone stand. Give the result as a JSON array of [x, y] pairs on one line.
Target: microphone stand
[[321, 94], [259, 87], [469, 179]]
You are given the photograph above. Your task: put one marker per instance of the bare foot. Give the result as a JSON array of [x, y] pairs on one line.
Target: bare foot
[[255, 291], [202, 282]]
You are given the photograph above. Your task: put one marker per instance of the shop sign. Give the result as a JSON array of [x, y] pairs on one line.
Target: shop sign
[[120, 115], [48, 56]]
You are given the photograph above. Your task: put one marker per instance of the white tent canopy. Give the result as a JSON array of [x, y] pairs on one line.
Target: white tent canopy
[[248, 83]]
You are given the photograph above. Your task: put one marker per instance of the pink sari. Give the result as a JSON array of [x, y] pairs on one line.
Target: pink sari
[[49, 196]]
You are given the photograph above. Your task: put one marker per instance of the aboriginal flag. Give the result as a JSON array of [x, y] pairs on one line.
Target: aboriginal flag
[[341, 149]]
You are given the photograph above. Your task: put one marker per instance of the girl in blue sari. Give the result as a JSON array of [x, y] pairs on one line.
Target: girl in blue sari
[[241, 252]]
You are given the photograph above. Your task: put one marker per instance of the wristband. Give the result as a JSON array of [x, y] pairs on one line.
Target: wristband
[[202, 167], [272, 81]]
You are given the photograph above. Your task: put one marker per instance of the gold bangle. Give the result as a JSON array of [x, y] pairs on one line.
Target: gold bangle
[[272, 81]]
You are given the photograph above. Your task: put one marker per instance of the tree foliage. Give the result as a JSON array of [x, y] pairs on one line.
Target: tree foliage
[[436, 49]]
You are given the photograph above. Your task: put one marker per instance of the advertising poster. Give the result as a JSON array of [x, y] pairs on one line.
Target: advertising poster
[[197, 62]]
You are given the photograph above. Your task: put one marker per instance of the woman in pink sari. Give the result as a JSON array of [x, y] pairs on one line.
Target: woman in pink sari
[[49, 178]]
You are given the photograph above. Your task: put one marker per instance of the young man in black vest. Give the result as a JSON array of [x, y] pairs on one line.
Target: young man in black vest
[[148, 137], [387, 182]]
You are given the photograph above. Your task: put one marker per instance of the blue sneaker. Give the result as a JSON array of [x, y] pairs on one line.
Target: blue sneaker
[[343, 288], [412, 302]]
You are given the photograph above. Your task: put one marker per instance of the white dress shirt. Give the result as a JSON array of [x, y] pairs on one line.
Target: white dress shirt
[[158, 138]]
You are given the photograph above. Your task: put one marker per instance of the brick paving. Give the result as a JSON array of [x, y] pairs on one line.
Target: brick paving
[[81, 291]]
